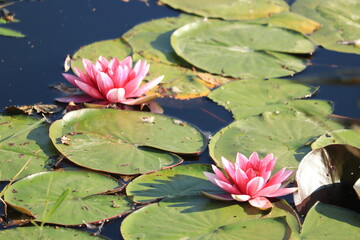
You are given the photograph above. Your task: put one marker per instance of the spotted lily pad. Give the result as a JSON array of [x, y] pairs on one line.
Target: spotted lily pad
[[46, 233], [247, 98], [340, 21], [328, 221], [287, 135], [197, 217], [24, 139], [343, 136], [107, 48], [124, 142], [230, 9], [241, 50], [185, 180], [55, 197]]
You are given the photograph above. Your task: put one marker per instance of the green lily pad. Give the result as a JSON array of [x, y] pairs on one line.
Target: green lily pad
[[184, 180], [67, 197], [230, 9], [201, 218], [10, 33], [151, 39], [247, 98], [24, 139], [287, 135], [230, 49], [46, 233], [124, 142], [343, 136], [331, 222], [107, 48], [340, 22], [290, 20]]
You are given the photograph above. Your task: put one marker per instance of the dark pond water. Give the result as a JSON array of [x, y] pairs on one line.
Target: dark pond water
[[28, 66]]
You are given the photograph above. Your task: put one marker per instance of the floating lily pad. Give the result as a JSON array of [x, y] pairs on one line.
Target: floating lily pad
[[67, 197], [151, 39], [185, 180], [343, 136], [107, 48], [328, 221], [287, 135], [247, 98], [290, 20], [124, 142], [230, 9], [202, 218], [340, 22], [24, 139], [241, 50], [46, 233]]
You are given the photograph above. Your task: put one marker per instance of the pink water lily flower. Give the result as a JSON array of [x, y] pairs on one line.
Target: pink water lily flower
[[249, 180], [112, 81]]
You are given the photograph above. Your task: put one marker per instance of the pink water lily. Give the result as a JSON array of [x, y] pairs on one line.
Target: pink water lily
[[112, 81], [249, 180]]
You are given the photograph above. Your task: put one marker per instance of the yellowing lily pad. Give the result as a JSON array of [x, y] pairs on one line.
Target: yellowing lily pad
[[340, 21], [241, 50], [343, 136], [67, 197], [124, 142], [230, 9], [287, 135], [245, 98], [24, 144]]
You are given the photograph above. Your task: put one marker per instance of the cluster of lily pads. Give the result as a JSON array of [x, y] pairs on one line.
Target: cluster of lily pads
[[129, 162]]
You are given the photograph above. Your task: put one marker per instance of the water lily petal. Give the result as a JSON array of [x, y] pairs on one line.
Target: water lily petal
[[211, 177], [254, 185], [241, 161], [241, 180], [114, 64], [102, 64], [90, 69], [127, 62], [221, 197], [279, 177], [282, 192], [104, 83], [115, 95], [229, 169], [85, 78], [76, 99], [241, 198], [146, 87], [254, 161], [265, 192], [227, 187], [71, 78], [93, 92], [261, 203], [250, 173], [220, 174]]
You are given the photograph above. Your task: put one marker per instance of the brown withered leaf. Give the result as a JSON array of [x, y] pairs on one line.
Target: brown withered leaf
[[31, 109], [66, 89], [67, 63]]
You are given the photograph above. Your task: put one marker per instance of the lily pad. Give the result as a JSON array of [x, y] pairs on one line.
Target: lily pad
[[324, 167], [185, 180], [287, 135], [124, 142], [290, 20], [201, 218], [247, 98], [10, 33], [229, 9], [343, 136], [151, 39], [340, 22], [107, 48], [328, 221], [241, 50], [24, 139], [55, 197], [46, 233]]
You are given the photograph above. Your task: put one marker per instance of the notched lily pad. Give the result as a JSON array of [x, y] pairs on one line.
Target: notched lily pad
[[24, 143], [125, 142], [245, 98], [229, 9], [67, 197], [287, 135], [230, 49]]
